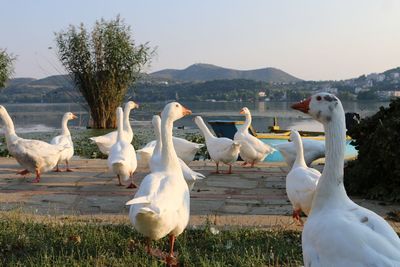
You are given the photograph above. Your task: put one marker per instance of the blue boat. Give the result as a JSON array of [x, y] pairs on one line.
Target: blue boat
[[228, 128]]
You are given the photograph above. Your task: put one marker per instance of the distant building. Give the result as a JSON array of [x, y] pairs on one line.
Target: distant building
[[376, 77], [395, 75], [331, 90], [388, 94], [358, 90], [396, 93]]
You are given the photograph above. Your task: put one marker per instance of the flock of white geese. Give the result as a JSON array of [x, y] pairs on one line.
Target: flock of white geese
[[337, 231]]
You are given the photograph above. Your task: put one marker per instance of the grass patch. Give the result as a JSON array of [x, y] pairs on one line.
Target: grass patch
[[26, 242]]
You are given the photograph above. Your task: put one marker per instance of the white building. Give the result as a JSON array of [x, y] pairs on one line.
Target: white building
[[358, 90], [331, 90], [261, 94]]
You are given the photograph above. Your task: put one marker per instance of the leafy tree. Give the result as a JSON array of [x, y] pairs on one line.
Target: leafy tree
[[103, 64], [6, 66], [376, 171]]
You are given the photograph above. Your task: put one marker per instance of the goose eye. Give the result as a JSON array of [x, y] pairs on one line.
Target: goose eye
[[176, 105], [319, 98]]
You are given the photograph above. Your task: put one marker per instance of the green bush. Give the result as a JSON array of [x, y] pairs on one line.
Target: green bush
[[375, 173], [202, 153]]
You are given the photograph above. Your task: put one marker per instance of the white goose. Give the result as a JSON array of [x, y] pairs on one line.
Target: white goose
[[301, 181], [122, 157], [339, 232], [190, 176], [34, 155], [185, 150], [161, 205], [221, 149], [105, 142], [65, 139], [252, 149], [313, 150]]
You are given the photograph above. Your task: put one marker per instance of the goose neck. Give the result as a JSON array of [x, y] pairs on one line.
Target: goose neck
[[168, 154], [299, 162], [247, 122], [330, 186], [204, 129], [64, 127], [120, 126], [9, 127], [127, 124], [157, 131]]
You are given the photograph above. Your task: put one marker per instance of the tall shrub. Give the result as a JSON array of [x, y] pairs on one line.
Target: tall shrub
[[103, 64], [6, 66]]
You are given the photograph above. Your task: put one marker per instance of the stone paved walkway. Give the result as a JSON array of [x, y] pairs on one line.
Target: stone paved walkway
[[250, 196]]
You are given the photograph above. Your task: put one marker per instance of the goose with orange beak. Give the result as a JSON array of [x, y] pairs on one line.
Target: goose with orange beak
[[161, 205], [64, 139], [338, 232], [252, 149]]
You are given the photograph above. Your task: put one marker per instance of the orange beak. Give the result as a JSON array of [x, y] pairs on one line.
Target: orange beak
[[303, 106], [241, 111], [186, 111], [74, 116]]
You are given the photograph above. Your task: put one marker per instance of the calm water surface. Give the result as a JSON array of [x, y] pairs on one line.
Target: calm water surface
[[47, 117]]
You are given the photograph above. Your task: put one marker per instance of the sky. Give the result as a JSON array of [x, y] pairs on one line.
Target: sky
[[310, 39]]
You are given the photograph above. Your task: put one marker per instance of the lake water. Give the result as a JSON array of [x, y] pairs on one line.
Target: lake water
[[47, 117]]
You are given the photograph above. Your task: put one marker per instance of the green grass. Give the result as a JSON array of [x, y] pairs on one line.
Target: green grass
[[24, 242]]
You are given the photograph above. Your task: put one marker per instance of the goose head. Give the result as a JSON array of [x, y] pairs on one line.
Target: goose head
[[321, 107], [294, 135], [131, 105], [244, 111], [198, 119], [69, 116], [236, 144], [175, 111]]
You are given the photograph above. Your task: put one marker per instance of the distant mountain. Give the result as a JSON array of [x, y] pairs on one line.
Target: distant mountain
[[51, 88], [202, 82], [19, 81], [208, 72], [53, 81]]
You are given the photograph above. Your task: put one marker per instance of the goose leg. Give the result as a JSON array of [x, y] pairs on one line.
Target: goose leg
[[119, 180], [244, 163], [252, 164], [57, 169], [217, 165], [296, 216], [68, 169], [37, 179], [23, 172], [132, 185], [170, 259], [153, 252], [230, 169], [148, 246]]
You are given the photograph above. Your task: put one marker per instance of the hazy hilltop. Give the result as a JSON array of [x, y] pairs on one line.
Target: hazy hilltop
[[208, 72], [50, 89]]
